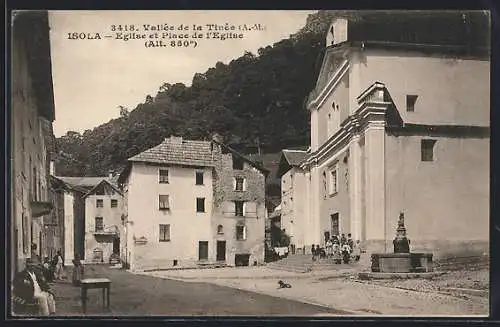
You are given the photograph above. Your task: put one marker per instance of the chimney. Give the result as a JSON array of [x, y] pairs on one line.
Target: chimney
[[216, 137], [52, 168], [174, 139]]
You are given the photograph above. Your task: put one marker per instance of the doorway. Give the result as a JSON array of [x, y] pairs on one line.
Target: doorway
[[241, 260], [203, 250], [116, 245], [221, 250], [335, 223]]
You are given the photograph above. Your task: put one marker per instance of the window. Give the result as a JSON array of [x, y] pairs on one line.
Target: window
[[239, 183], [410, 102], [238, 163], [163, 202], [163, 177], [99, 203], [238, 208], [200, 204], [99, 224], [333, 180], [241, 234], [427, 150], [220, 229], [164, 233], [114, 203], [199, 178]]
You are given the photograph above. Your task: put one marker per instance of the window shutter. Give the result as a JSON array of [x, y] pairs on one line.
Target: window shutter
[[229, 209], [244, 184], [244, 209], [250, 209], [234, 183], [244, 232]]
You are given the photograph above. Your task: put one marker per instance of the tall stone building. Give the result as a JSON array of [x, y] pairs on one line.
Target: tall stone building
[[32, 114], [400, 123]]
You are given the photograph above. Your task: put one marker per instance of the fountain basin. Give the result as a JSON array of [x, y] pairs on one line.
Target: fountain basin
[[401, 262]]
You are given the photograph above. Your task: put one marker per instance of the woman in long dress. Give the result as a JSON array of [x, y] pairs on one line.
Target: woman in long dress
[[59, 266]]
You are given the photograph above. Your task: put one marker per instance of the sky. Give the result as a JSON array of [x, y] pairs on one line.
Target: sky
[[92, 77]]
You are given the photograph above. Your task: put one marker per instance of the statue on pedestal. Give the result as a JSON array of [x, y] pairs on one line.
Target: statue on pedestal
[[401, 242]]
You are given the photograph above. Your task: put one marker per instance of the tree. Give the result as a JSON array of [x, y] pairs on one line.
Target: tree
[[124, 112]]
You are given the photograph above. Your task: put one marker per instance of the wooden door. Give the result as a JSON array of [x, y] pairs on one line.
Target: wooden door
[[221, 250], [203, 250]]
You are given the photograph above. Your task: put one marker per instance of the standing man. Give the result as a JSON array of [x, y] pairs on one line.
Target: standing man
[[30, 286]]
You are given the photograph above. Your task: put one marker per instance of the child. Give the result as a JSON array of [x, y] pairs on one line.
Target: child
[[78, 271], [346, 252], [337, 258], [356, 251]]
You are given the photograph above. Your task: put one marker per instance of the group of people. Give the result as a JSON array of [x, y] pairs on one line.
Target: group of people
[[339, 248]]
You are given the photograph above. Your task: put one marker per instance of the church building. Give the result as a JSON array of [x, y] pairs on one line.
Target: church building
[[400, 124]]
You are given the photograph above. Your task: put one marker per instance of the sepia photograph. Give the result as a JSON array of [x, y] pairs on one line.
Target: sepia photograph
[[267, 163]]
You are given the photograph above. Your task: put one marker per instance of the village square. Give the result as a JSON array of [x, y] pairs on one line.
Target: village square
[[384, 212]]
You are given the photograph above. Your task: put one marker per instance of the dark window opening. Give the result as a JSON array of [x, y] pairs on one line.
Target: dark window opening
[[163, 177], [238, 208], [199, 178], [239, 183], [238, 163], [410, 102], [200, 204], [164, 202], [175, 263], [114, 203], [99, 224], [99, 203], [427, 150], [241, 233], [164, 232]]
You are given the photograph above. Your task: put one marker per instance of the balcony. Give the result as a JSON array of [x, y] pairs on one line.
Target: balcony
[[40, 208], [106, 230]]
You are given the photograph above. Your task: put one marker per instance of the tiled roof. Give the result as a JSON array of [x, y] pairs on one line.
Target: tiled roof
[[294, 157], [176, 151], [82, 181]]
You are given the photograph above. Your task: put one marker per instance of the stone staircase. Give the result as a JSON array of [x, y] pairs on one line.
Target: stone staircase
[[303, 263]]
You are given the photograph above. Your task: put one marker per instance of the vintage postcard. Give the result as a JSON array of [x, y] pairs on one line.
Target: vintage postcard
[[250, 163]]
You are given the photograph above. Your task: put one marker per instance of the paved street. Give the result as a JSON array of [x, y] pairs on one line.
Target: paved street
[[137, 295]]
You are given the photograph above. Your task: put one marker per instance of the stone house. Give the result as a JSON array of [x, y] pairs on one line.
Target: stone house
[[32, 114], [191, 203], [400, 123]]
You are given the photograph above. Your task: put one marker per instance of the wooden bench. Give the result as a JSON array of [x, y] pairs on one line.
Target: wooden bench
[[96, 283]]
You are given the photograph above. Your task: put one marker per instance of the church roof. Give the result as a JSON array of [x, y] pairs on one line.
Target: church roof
[[457, 28]]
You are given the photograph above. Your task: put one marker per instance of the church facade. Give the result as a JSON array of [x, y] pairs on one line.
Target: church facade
[[400, 124]]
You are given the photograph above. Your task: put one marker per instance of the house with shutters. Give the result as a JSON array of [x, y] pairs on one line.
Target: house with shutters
[[400, 121], [189, 203]]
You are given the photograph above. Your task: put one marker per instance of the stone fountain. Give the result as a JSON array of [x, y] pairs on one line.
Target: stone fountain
[[402, 260]]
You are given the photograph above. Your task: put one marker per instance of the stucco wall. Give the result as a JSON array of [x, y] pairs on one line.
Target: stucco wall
[[293, 211], [111, 217], [187, 227], [334, 203], [450, 90], [69, 228], [446, 202]]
